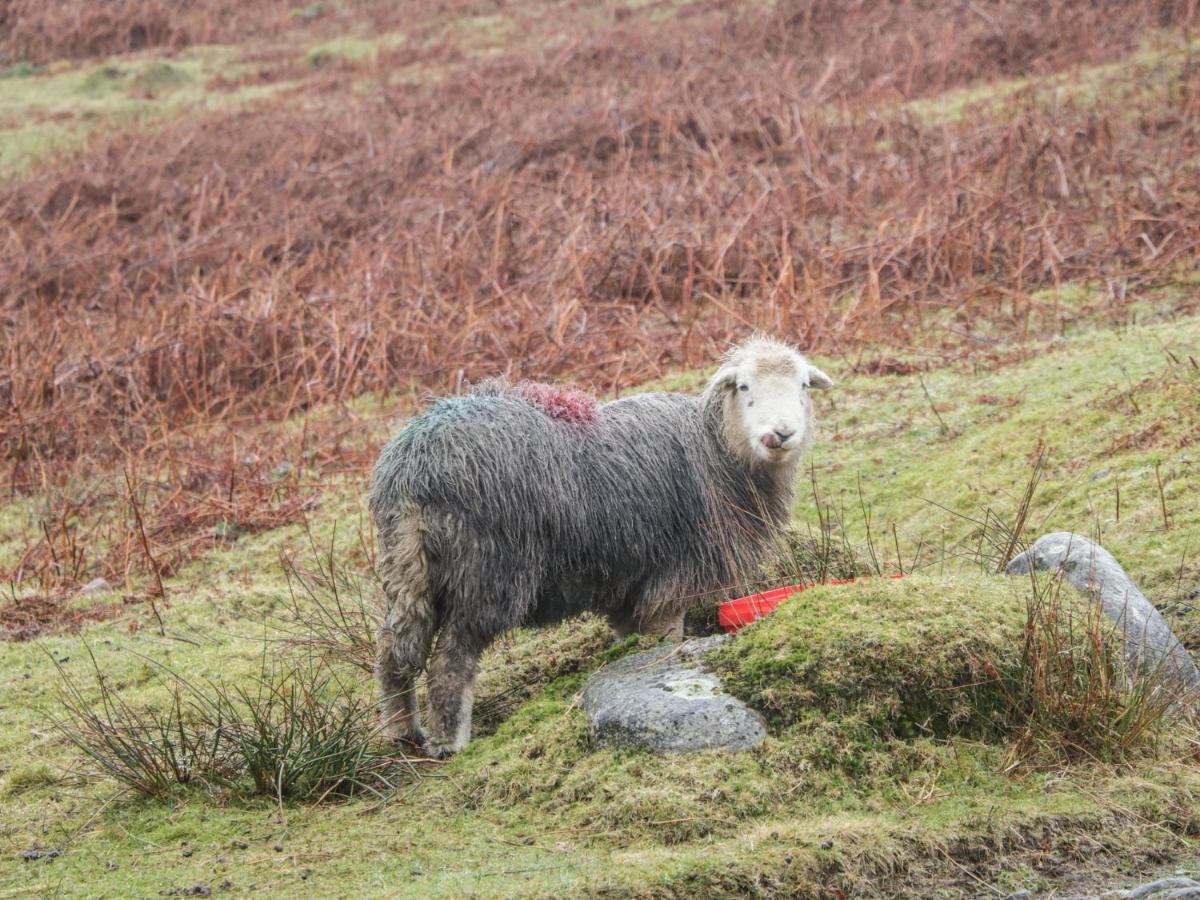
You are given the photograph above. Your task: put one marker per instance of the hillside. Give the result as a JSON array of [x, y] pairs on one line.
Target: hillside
[[629, 822], [243, 242]]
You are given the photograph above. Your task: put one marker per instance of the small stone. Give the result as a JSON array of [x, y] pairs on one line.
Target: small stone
[[112, 866], [827, 844], [52, 853], [278, 848], [239, 845], [95, 586], [665, 701], [187, 852]]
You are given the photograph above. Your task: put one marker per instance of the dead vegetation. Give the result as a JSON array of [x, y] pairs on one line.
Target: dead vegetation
[[171, 503], [606, 211], [41, 31], [29, 617]]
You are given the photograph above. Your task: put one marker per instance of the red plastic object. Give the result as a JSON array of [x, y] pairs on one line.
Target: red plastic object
[[735, 614]]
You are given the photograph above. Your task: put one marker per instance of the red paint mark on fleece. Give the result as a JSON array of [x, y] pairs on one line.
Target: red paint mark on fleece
[[564, 404]]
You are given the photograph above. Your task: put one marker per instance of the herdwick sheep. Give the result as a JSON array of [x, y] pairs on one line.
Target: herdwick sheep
[[527, 504]]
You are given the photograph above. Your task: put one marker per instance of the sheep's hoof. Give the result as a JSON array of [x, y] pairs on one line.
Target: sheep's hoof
[[434, 750], [409, 744]]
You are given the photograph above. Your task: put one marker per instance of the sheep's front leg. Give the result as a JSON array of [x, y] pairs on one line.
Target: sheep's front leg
[[452, 671], [668, 626], [658, 612], [623, 623]]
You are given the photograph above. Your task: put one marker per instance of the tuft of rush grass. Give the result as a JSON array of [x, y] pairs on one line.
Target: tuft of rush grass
[[298, 732], [1075, 696], [152, 751]]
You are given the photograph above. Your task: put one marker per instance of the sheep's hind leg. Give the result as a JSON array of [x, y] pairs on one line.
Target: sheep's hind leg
[[407, 632], [452, 673], [402, 650]]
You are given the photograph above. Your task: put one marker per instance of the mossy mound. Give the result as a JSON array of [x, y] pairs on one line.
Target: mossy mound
[[889, 658]]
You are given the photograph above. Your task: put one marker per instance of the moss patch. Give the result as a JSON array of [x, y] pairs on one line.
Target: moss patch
[[903, 658]]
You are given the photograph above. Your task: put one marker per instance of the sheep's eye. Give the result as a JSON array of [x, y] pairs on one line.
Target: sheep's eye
[[743, 387]]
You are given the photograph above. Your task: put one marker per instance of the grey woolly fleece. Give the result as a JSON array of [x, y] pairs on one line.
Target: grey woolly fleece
[[528, 518]]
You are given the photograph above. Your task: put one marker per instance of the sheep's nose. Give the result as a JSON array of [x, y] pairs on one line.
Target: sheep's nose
[[775, 439], [783, 434]]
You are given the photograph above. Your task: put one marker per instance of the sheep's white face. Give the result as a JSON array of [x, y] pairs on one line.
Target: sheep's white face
[[768, 410]]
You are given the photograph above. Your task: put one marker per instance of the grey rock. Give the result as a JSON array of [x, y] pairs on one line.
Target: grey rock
[[95, 586], [1150, 643], [1174, 888], [664, 700], [1163, 889]]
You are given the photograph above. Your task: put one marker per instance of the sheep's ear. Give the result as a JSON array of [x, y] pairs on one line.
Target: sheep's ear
[[724, 380], [818, 380]]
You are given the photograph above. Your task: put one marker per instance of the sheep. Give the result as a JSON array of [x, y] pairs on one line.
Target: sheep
[[524, 505]]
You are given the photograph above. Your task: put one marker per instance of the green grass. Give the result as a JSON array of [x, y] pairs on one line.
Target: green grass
[[879, 763], [534, 809], [1111, 408], [888, 653], [1157, 65], [46, 111]]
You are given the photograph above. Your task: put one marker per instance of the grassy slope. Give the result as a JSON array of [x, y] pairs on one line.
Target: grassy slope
[[44, 111], [626, 822], [1114, 410], [1108, 404]]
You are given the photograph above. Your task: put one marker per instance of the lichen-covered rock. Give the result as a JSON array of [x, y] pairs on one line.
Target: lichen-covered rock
[[1150, 644], [664, 700]]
